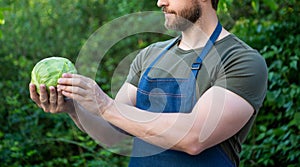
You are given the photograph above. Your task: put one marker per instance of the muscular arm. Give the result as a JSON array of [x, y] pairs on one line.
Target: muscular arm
[[218, 115]]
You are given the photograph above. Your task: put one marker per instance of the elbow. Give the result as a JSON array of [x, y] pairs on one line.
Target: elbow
[[193, 150], [193, 146]]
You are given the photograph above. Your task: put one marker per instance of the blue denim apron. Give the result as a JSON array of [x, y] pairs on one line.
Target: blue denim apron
[[172, 95]]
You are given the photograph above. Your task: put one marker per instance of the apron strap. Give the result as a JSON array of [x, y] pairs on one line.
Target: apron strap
[[209, 44]]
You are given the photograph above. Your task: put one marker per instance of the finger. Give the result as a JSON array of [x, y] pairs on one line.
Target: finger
[[73, 89], [33, 94], [53, 99], [72, 95], [68, 75], [76, 82], [60, 98], [81, 77], [69, 81], [44, 98]]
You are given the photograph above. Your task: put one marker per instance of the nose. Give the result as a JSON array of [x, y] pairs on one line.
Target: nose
[[161, 3]]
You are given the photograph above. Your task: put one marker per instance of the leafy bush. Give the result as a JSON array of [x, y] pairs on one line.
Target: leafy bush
[[35, 30], [274, 140]]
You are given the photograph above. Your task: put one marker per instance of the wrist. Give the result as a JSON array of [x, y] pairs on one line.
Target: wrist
[[70, 107], [105, 106]]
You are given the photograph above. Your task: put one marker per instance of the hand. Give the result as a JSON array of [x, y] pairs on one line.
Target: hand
[[84, 91], [55, 103]]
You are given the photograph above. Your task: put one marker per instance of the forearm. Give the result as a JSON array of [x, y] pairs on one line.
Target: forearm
[[170, 131], [75, 119], [96, 127]]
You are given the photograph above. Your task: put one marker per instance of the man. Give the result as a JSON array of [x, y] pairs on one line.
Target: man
[[189, 101]]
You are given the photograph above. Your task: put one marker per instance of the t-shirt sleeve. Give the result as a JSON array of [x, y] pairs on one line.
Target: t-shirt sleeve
[[136, 67], [245, 73]]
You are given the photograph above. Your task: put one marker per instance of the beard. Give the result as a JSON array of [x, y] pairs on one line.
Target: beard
[[184, 18]]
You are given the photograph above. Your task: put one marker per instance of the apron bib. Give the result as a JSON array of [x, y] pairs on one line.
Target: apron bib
[[173, 95]]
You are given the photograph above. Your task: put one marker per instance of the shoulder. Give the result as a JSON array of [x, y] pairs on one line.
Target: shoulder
[[233, 50], [242, 70]]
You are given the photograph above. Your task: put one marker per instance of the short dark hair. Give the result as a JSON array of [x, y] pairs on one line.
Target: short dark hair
[[214, 4]]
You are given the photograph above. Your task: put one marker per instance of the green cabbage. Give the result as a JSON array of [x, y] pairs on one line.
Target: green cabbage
[[49, 70]]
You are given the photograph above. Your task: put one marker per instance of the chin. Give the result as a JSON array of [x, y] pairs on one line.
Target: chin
[[177, 27]]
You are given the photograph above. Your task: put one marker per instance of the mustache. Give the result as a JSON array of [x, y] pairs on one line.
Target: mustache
[[164, 9]]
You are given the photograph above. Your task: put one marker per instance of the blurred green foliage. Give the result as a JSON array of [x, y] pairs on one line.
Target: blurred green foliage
[[272, 28], [37, 29]]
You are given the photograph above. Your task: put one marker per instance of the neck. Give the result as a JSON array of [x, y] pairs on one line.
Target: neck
[[198, 34]]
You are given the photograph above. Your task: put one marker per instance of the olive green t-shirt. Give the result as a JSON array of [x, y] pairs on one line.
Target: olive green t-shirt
[[230, 64]]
